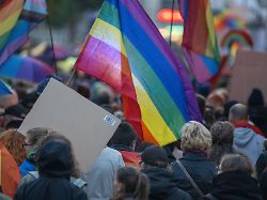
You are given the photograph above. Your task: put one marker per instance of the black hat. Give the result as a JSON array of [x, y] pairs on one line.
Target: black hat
[[155, 156]]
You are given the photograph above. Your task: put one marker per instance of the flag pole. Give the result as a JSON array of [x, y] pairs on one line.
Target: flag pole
[[52, 43], [172, 21]]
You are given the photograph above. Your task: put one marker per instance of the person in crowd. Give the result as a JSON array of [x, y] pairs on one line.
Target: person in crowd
[[155, 164], [56, 164], [75, 175], [101, 175], [131, 185], [124, 140], [234, 180], [222, 141], [196, 142], [246, 139], [10, 176], [14, 142], [256, 98], [257, 110], [32, 142]]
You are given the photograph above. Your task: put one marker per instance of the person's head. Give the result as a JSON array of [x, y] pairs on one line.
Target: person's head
[[222, 133], [125, 136], [256, 98], [195, 137], [222, 140], [154, 156], [14, 142], [238, 112], [55, 157], [34, 137], [235, 163], [131, 184], [102, 99]]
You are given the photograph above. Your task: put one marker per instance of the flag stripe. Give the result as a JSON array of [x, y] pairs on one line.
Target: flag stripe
[[151, 117], [105, 56], [12, 7], [109, 34], [7, 24], [168, 75], [151, 83]]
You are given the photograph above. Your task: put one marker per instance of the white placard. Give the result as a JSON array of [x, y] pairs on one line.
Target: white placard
[[88, 126]]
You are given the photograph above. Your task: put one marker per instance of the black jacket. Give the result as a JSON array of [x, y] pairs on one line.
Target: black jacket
[[162, 185], [263, 184], [235, 185], [46, 188], [200, 169], [55, 167]]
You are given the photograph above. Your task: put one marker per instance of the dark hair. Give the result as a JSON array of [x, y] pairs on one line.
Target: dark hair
[[236, 162], [124, 135], [155, 156], [256, 98], [102, 99], [222, 134], [133, 185], [74, 170]]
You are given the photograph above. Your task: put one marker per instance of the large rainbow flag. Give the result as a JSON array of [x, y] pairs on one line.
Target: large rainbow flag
[[17, 19], [125, 49], [199, 39]]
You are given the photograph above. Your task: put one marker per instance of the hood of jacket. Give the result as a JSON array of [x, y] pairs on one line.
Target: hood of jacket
[[243, 136], [55, 159]]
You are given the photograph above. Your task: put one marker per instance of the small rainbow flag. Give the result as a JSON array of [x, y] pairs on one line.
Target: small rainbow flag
[[199, 39], [125, 49], [16, 21]]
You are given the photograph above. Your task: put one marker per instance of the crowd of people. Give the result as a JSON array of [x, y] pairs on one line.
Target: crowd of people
[[224, 157]]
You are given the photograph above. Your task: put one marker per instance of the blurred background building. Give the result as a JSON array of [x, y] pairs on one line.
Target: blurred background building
[[71, 23]]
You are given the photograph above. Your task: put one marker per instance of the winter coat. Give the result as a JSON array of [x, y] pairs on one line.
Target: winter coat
[[55, 166], [235, 185], [248, 143], [200, 169], [163, 185]]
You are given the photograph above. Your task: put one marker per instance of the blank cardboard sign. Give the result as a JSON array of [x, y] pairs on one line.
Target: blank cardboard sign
[[88, 126], [249, 72]]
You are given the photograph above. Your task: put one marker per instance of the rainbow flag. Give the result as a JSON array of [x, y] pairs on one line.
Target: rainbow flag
[[199, 39], [125, 49], [16, 21]]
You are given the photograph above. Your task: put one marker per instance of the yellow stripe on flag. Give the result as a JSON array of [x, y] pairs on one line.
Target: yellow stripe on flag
[[151, 117], [109, 34], [9, 23]]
